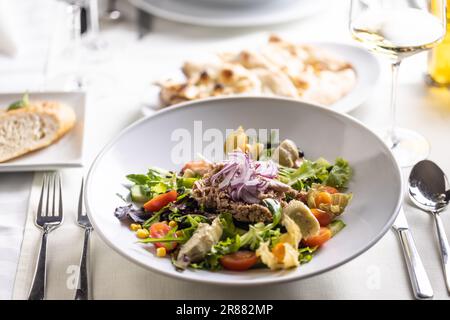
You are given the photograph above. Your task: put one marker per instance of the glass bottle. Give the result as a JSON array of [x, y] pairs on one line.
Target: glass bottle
[[439, 59]]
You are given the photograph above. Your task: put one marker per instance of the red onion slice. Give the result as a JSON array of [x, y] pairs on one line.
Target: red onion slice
[[245, 179]]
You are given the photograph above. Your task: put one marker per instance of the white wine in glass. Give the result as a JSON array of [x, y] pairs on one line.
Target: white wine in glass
[[397, 29]]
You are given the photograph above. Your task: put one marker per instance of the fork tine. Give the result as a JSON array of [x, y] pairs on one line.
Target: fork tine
[[53, 213], [41, 198], [80, 200], [60, 211], [47, 206]]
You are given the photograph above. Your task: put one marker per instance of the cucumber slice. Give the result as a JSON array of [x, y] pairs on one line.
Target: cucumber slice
[[138, 194], [188, 182], [336, 226]]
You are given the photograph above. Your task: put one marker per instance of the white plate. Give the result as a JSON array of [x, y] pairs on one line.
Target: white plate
[[228, 3], [367, 69], [366, 66], [216, 15], [376, 183], [66, 152]]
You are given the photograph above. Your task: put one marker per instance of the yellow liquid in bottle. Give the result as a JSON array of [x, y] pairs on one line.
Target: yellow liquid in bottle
[[439, 58]]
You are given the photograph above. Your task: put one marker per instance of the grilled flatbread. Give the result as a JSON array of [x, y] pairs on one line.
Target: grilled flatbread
[[279, 68]]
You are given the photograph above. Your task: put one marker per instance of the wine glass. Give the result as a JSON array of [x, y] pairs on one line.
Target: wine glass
[[80, 62], [397, 29]]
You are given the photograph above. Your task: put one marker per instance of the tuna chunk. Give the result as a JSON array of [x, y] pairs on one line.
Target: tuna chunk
[[214, 199]]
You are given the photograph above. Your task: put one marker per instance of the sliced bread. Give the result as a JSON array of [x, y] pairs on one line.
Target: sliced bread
[[33, 127]]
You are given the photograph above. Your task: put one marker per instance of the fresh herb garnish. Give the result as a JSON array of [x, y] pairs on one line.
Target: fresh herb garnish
[[22, 103]]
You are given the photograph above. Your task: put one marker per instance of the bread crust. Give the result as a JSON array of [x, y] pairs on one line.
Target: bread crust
[[64, 117]]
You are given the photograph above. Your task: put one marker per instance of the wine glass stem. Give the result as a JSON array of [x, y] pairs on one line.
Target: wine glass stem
[[76, 39], [392, 132], [93, 18]]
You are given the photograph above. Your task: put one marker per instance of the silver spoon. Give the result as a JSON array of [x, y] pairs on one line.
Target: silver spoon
[[427, 189]]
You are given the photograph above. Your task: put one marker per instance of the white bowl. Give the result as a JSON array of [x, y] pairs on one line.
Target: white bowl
[[318, 131]]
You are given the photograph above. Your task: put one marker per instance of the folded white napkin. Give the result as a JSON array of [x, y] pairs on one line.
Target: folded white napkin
[[9, 43], [14, 192]]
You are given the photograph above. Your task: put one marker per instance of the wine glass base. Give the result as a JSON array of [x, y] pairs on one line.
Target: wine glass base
[[97, 84], [408, 147]]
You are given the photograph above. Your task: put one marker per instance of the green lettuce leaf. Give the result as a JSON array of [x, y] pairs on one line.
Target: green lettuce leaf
[[339, 175], [261, 232], [139, 179], [156, 181], [228, 227], [320, 171], [306, 254]]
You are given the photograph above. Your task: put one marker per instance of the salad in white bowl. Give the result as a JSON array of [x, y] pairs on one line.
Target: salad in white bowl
[[264, 206]]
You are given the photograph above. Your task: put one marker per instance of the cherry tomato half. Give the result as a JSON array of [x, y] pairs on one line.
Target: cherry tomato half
[[160, 201], [323, 217], [318, 240], [239, 261], [160, 230]]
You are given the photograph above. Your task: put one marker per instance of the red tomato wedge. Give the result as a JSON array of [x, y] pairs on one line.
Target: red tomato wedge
[[160, 230], [318, 240], [160, 201], [239, 261], [323, 217]]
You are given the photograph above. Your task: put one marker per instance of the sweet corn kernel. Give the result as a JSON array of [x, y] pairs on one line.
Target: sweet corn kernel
[[142, 233], [172, 224], [135, 226], [179, 233], [161, 252]]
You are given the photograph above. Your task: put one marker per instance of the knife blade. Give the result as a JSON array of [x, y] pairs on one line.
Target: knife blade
[[400, 222], [419, 279]]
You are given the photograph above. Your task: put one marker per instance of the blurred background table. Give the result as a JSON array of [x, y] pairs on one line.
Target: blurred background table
[[131, 66]]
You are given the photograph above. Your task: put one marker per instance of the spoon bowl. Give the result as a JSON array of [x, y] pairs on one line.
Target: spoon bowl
[[427, 186]]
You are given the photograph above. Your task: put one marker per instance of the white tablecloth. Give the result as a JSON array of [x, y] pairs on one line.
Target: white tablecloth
[[132, 66]]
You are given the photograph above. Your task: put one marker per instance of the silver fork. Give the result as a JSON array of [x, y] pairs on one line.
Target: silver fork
[[83, 291], [49, 216]]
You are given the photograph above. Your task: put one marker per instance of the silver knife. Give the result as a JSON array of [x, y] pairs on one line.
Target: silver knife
[[83, 288], [417, 274]]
